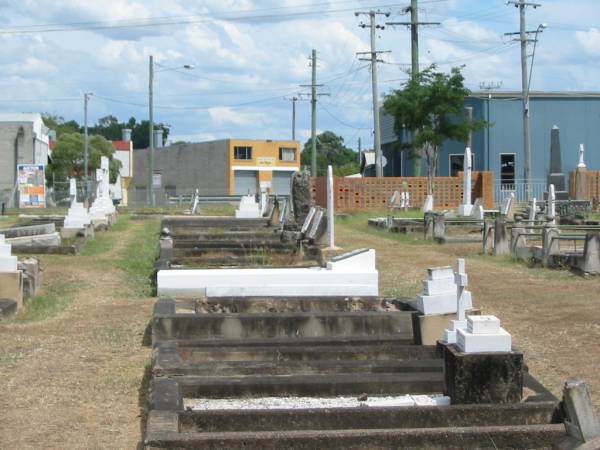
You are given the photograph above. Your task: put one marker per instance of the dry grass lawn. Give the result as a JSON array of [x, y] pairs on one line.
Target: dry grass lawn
[[71, 379], [72, 371], [554, 316]]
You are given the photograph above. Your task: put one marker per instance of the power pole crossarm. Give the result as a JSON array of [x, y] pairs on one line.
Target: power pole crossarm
[[414, 25], [524, 39]]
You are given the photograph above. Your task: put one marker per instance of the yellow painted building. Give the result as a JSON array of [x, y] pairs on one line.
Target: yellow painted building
[[261, 164]]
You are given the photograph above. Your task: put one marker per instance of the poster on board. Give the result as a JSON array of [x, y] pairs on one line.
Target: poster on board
[[32, 186]]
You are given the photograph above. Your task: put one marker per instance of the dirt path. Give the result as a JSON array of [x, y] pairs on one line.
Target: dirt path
[[554, 316], [72, 381]]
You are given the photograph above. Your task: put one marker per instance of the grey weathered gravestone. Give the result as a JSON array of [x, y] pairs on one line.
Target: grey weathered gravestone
[[301, 196], [439, 227], [308, 220], [501, 246], [428, 225], [556, 175], [591, 253], [317, 227], [582, 422]]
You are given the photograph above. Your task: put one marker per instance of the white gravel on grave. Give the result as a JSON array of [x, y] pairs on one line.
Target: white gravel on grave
[[209, 404]]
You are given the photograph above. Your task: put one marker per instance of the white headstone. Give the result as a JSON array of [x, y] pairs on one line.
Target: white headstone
[[466, 207], [330, 208], [428, 204], [463, 302], [551, 204], [104, 163], [72, 187], [439, 292], [581, 164], [507, 203]]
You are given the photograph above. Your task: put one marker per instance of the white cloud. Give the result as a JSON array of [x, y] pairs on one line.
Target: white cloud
[[589, 40], [224, 114]]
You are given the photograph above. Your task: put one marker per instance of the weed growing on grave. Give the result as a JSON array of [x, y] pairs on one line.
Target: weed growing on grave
[[137, 258], [103, 240], [55, 299]]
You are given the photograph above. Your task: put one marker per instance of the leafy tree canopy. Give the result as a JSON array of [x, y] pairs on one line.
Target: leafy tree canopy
[[431, 106], [67, 157], [331, 150], [108, 127]]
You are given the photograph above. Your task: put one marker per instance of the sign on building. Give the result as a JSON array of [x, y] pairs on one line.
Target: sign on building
[[156, 179], [265, 161], [32, 186]]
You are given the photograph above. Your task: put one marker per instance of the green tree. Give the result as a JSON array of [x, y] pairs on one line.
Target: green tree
[[58, 124], [430, 106], [331, 150], [67, 157]]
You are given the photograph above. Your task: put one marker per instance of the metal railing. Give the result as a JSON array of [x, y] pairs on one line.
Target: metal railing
[[537, 188]]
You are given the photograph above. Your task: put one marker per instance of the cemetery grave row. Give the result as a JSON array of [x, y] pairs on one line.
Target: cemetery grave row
[[313, 357]]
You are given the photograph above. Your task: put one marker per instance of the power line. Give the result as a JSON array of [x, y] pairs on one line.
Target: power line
[[340, 121], [192, 19]]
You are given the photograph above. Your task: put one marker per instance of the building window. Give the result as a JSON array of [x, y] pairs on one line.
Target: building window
[[456, 163], [507, 169], [287, 154], [242, 153]]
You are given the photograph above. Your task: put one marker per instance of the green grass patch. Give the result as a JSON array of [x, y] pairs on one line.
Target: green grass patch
[[359, 222], [137, 259], [56, 296]]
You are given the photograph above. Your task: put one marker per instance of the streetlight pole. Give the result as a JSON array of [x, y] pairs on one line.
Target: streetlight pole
[[151, 199], [151, 128], [86, 97]]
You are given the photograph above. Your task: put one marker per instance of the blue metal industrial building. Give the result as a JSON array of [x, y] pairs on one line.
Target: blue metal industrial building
[[499, 147]]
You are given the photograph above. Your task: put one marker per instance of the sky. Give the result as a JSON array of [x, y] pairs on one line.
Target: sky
[[249, 58]]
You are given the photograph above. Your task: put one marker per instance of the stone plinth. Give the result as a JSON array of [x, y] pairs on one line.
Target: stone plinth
[[11, 286], [482, 377], [439, 292], [483, 334], [77, 216], [581, 188]]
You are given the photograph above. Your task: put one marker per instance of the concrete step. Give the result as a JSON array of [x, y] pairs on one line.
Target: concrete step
[[539, 413], [353, 437], [285, 304], [193, 355], [231, 243], [329, 385], [167, 364], [253, 252], [191, 222], [291, 325], [213, 261]]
